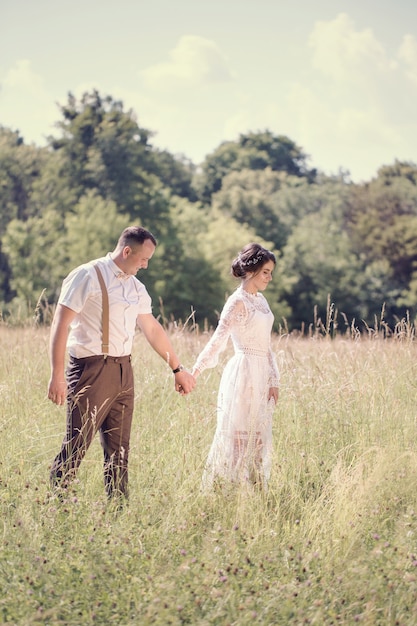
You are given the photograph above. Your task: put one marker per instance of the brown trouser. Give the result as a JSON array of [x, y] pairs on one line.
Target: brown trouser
[[100, 397]]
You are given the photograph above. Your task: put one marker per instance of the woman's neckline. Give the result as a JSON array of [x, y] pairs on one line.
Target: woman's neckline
[[248, 293]]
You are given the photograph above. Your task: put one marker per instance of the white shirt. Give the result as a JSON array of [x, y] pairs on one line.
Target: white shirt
[[81, 292]]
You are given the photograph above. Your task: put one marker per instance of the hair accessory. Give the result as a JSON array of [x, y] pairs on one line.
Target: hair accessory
[[254, 260]]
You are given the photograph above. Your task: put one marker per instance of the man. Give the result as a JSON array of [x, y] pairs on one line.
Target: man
[[99, 380]]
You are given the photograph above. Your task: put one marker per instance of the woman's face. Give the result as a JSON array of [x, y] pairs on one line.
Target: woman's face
[[260, 280]]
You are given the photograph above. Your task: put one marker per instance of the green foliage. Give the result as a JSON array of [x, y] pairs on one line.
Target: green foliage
[[102, 148], [399, 169], [34, 251], [191, 284], [318, 260], [68, 202], [105, 149], [92, 230], [176, 173], [20, 167], [255, 151], [42, 250], [211, 240], [263, 149], [267, 201], [97, 178], [319, 263], [383, 229]]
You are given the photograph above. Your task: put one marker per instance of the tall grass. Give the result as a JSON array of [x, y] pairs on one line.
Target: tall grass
[[333, 541]]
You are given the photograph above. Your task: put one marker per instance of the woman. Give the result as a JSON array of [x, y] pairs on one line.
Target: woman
[[242, 444]]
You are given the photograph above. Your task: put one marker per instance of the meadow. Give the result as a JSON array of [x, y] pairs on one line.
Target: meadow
[[332, 541]]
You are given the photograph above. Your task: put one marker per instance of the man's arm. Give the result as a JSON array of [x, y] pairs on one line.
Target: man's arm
[[160, 342], [57, 388]]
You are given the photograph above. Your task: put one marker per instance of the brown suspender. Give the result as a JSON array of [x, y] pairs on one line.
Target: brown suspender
[[105, 313]]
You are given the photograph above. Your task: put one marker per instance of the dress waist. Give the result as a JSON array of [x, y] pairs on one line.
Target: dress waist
[[252, 352]]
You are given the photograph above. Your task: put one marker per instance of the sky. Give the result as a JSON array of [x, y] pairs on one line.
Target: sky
[[338, 78]]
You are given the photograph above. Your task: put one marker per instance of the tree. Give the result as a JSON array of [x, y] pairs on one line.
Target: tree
[[267, 201], [255, 151], [319, 263], [42, 250], [211, 241], [33, 250], [399, 169], [20, 167], [382, 224], [103, 148], [318, 257], [88, 236], [176, 173]]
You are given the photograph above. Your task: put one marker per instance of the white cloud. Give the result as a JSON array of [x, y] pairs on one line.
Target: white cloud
[[23, 96], [359, 139], [408, 54], [350, 105], [343, 53], [21, 76], [239, 122], [194, 61], [356, 109], [254, 117]]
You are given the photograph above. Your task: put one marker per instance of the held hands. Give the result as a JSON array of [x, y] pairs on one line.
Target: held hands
[[184, 382], [57, 391]]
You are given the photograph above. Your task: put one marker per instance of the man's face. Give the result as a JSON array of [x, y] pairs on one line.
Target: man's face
[[135, 259]]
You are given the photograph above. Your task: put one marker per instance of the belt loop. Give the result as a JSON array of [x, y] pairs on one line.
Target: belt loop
[[105, 357]]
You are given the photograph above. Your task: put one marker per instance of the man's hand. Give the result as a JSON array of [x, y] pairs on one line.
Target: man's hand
[[184, 382], [57, 391]]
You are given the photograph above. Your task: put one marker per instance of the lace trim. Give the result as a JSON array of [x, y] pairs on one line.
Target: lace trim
[[256, 300], [252, 352]]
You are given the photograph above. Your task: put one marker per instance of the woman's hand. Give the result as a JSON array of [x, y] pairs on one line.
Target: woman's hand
[[273, 394]]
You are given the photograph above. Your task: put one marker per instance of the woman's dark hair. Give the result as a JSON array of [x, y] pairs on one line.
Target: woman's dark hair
[[251, 259], [135, 235]]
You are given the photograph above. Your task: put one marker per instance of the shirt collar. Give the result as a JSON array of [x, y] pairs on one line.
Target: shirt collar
[[116, 269]]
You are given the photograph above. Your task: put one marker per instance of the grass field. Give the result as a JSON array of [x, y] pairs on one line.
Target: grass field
[[334, 541]]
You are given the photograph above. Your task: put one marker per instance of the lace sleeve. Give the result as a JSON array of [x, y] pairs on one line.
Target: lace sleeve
[[234, 313], [274, 375]]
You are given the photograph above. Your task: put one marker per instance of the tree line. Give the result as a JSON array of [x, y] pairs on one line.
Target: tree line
[[353, 245]]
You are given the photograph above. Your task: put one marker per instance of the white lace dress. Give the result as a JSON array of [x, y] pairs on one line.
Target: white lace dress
[[242, 445]]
